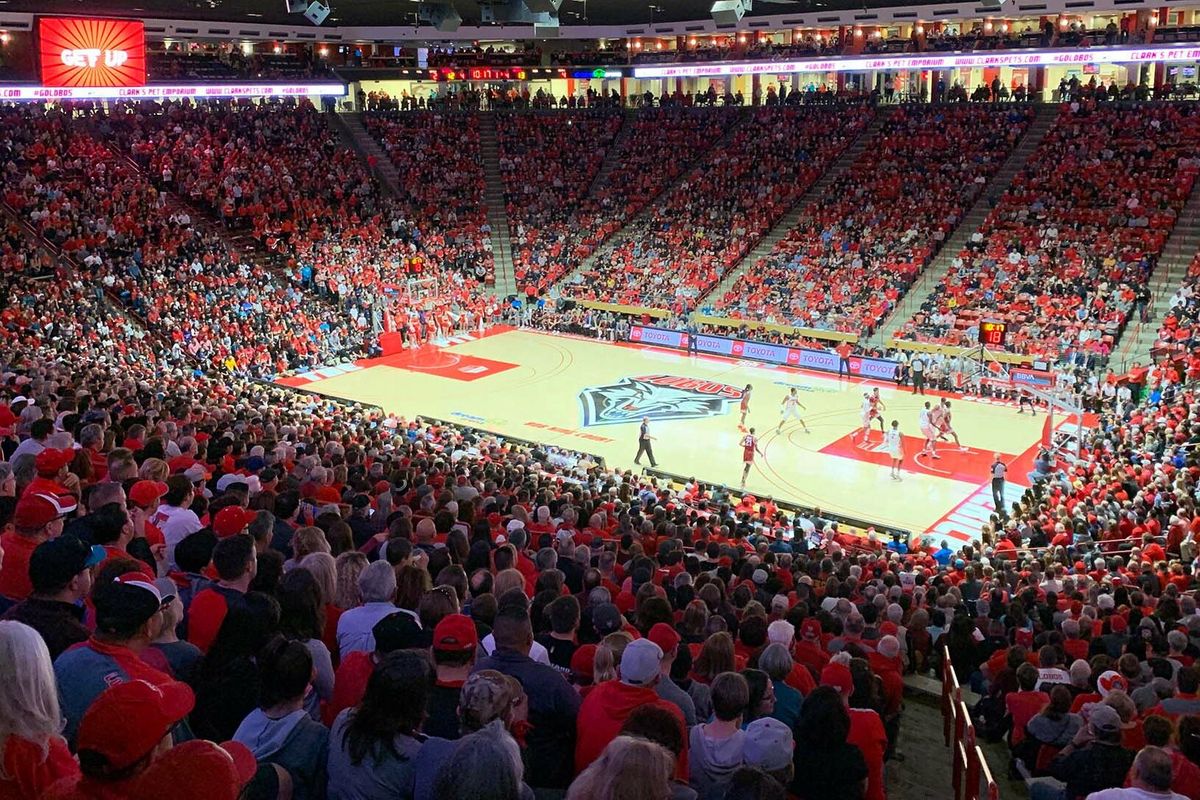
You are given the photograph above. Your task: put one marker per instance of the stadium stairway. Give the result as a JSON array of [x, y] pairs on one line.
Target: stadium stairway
[[797, 212], [356, 137], [497, 213], [618, 143], [112, 307], [610, 161], [927, 281], [1172, 267], [239, 240]]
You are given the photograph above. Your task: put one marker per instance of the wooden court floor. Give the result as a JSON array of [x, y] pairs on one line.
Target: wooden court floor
[[591, 396]]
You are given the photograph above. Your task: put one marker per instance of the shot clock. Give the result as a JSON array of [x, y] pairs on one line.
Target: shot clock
[[992, 333]]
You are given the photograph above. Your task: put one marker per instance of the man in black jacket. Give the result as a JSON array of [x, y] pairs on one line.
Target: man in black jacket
[[1094, 759], [61, 573], [553, 704]]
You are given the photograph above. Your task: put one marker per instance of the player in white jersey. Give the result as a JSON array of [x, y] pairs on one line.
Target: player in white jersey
[[928, 430], [789, 408], [893, 442]]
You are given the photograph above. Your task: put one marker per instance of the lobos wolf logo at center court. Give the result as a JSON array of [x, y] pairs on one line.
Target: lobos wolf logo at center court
[[659, 397]]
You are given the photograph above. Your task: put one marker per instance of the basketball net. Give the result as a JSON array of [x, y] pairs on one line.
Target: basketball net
[[983, 367]]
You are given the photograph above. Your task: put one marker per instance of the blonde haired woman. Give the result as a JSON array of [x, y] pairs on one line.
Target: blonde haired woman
[[349, 566], [305, 541], [154, 469], [608, 656], [628, 769], [323, 568], [34, 754]]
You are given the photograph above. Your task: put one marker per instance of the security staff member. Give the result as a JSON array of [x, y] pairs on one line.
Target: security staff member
[[999, 472], [644, 440]]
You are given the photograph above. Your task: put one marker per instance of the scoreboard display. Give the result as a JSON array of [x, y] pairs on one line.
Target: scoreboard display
[[478, 74], [491, 74], [993, 333]]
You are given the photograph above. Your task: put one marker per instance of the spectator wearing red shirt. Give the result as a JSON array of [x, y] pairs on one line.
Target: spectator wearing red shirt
[[1024, 704], [51, 466], [808, 651], [606, 707], [866, 729], [236, 563], [37, 518]]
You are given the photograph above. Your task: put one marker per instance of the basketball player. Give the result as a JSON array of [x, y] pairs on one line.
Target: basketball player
[[928, 430], [749, 448], [865, 414], [745, 403], [893, 442], [1025, 399], [945, 428], [877, 407], [872, 406], [789, 409]]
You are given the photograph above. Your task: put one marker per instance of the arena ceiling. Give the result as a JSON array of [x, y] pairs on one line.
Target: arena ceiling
[[382, 13]]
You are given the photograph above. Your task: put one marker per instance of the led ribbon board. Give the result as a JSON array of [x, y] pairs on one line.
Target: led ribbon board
[[1038, 58], [155, 91]]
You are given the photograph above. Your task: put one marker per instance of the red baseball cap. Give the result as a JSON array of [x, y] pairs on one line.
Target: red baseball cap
[[129, 719], [455, 632], [50, 461], [197, 770], [146, 493], [583, 661], [810, 629], [231, 521], [838, 676], [664, 636], [36, 511]]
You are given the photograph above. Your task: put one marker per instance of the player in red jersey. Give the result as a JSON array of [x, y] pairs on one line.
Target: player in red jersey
[[749, 448], [745, 403], [944, 426], [872, 406]]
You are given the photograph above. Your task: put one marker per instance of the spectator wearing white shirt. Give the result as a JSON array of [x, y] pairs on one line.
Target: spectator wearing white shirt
[[174, 517]]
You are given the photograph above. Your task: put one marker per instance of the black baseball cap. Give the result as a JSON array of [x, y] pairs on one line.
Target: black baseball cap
[[399, 631], [606, 619], [56, 561]]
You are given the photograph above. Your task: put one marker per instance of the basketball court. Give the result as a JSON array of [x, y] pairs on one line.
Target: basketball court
[[591, 396]]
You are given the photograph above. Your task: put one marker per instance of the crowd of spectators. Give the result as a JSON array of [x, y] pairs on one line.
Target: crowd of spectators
[[548, 163], [211, 303], [1065, 254], [214, 587], [360, 606], [650, 152], [310, 201], [1177, 333], [683, 244], [869, 234], [441, 173]]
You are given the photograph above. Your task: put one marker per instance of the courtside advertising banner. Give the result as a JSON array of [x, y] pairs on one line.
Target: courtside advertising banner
[[91, 52], [766, 352]]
